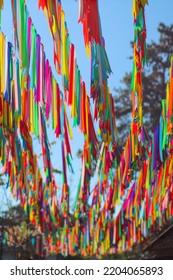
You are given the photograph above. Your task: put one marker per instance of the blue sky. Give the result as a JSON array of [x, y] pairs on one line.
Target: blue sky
[[117, 29]]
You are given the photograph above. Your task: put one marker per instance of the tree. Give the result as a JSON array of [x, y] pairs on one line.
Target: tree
[[155, 75], [17, 234]]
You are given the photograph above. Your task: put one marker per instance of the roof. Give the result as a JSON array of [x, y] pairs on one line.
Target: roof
[[161, 247]]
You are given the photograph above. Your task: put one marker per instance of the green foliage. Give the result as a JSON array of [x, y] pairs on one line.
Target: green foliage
[[155, 76], [18, 233]]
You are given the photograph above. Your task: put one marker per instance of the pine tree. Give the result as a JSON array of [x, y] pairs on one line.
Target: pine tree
[[155, 76]]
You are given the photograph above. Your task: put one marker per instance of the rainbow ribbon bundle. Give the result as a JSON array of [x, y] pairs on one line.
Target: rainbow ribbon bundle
[[133, 195], [139, 46], [100, 69], [20, 164], [74, 87]]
